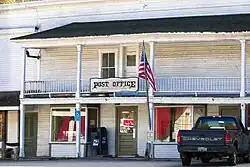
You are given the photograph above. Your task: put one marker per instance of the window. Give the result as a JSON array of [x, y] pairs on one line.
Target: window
[[64, 125], [216, 123], [169, 120], [131, 60], [108, 65]]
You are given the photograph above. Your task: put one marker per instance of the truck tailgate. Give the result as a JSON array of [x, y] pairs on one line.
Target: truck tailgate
[[202, 138]]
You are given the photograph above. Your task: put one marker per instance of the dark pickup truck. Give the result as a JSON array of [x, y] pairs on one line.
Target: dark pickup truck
[[214, 137]]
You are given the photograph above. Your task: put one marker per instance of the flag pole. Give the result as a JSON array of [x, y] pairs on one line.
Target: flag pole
[[146, 86]]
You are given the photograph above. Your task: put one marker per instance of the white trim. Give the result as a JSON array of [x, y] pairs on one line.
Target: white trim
[[243, 68], [192, 116], [138, 100], [17, 31], [9, 108], [169, 106], [115, 51], [23, 76], [36, 4], [134, 38], [79, 71], [138, 56], [50, 125], [121, 61]]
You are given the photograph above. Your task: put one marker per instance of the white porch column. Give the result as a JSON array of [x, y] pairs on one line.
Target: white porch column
[[22, 112], [78, 105], [86, 132], [243, 68], [121, 61], [243, 80]]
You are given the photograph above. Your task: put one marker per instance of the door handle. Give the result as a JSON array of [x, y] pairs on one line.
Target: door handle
[[133, 133]]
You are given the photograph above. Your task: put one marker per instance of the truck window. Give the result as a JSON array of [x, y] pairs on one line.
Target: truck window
[[216, 123]]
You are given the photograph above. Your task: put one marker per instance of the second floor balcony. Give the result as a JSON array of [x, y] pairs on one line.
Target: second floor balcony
[[166, 86]]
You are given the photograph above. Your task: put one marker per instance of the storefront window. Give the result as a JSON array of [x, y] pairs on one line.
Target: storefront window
[[64, 125], [169, 120]]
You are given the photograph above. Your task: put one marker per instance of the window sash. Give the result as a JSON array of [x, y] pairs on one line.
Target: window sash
[[109, 70]]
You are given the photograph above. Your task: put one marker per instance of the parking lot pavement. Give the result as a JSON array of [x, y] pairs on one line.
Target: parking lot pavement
[[107, 163]]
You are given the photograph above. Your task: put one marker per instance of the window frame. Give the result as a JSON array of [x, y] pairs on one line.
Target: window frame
[[171, 106], [103, 51], [131, 54], [72, 109]]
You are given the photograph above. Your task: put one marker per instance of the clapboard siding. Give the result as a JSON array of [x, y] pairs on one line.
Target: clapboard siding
[[65, 150], [166, 151], [203, 59], [142, 129], [107, 119], [43, 130], [11, 55], [61, 63]]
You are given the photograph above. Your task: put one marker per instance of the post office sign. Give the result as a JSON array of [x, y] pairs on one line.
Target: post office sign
[[101, 85]]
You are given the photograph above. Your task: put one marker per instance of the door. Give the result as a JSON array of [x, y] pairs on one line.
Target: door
[[30, 138], [127, 131], [92, 120]]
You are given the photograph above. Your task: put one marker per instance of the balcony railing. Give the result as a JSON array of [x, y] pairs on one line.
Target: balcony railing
[[164, 84]]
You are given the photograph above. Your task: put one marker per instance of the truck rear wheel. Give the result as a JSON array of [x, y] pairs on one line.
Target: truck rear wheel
[[232, 160], [186, 159]]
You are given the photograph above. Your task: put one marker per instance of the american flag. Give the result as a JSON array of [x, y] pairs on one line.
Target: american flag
[[145, 71]]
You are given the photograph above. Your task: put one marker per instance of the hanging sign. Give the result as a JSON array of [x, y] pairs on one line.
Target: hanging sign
[[100, 85], [128, 122]]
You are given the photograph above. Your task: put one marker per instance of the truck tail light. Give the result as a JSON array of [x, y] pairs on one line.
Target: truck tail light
[[227, 138], [179, 138]]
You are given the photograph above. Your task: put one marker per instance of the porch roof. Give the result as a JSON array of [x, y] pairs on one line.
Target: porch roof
[[219, 23]]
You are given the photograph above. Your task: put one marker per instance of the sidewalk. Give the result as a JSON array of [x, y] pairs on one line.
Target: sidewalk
[[96, 158]]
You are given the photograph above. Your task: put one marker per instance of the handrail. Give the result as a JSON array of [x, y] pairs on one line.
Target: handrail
[[164, 84]]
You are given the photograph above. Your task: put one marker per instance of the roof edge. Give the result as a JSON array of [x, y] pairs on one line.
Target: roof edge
[[41, 3], [130, 20]]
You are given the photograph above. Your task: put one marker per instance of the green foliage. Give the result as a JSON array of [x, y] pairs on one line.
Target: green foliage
[[7, 1]]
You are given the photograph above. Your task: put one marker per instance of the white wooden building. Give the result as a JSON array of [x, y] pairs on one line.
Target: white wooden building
[[199, 57]]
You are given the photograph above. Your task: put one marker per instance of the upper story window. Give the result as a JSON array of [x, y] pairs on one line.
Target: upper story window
[[131, 60], [108, 64]]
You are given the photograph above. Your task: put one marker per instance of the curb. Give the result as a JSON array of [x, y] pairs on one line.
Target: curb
[[90, 159]]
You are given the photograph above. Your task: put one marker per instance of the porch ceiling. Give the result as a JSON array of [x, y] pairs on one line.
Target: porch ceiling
[[219, 23]]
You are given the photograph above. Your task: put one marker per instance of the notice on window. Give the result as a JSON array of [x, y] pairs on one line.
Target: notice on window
[[100, 85]]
